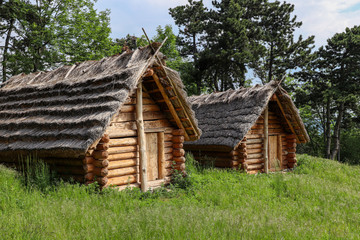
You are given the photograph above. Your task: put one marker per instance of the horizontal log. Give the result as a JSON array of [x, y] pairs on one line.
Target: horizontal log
[[256, 150], [178, 152], [178, 139], [290, 136], [169, 164], [178, 132], [105, 138], [177, 145], [179, 159], [121, 156], [119, 142], [169, 150], [101, 163], [291, 155], [132, 101], [149, 124], [101, 172], [102, 181], [254, 140], [242, 150], [89, 167], [169, 156], [291, 160], [123, 163], [115, 132], [131, 116], [291, 165], [89, 176], [291, 140], [102, 146], [122, 171], [123, 180], [254, 136], [291, 145], [168, 137], [100, 155], [180, 166], [254, 146], [170, 144], [254, 155], [254, 161], [255, 166], [146, 108], [291, 150], [123, 149]]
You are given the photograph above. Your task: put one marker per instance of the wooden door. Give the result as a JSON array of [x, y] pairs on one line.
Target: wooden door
[[274, 153], [155, 155]]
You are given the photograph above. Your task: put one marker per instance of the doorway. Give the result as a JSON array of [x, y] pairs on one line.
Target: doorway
[[275, 153], [155, 155]]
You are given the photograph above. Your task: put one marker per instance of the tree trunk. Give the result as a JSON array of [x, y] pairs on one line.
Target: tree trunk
[[197, 77], [6, 47], [328, 130], [337, 128], [271, 62]]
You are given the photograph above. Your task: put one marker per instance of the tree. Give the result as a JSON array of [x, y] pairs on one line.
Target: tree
[[191, 20], [49, 33], [331, 86], [282, 52]]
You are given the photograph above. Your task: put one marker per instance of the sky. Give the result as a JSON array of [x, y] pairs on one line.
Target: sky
[[322, 18]]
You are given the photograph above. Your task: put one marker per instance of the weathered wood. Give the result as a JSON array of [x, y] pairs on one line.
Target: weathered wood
[[102, 172], [254, 146], [179, 159], [105, 138], [115, 132], [127, 179], [254, 161], [100, 155], [178, 152], [254, 155], [178, 132], [101, 163], [266, 141], [90, 176], [88, 167], [118, 142], [130, 116], [146, 108], [141, 138], [102, 146], [177, 145], [122, 163], [255, 150], [255, 166], [122, 171], [168, 156], [161, 154], [124, 149], [291, 155], [121, 156], [254, 136], [178, 139]]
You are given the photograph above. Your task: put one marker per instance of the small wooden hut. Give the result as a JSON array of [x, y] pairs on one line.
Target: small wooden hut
[[242, 127], [121, 120]]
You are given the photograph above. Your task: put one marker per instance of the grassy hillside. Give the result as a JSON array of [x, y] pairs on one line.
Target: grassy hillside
[[320, 199]]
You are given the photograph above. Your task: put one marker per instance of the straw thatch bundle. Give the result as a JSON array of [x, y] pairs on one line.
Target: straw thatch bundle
[[62, 112], [226, 117]]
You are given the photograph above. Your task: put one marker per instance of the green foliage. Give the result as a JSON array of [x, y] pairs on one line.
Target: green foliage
[[319, 200], [37, 174], [45, 34]]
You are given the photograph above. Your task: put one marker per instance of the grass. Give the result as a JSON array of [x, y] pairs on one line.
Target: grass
[[319, 200]]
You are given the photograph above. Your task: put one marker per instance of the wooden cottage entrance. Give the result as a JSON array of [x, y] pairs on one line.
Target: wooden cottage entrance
[[275, 152], [155, 155]]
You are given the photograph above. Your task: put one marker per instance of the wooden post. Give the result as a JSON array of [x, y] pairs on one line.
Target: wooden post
[[141, 138], [161, 155], [266, 140]]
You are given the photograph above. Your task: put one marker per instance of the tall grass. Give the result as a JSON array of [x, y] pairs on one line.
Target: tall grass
[[319, 200]]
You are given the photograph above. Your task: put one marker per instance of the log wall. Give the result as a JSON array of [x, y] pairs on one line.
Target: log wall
[[123, 152]]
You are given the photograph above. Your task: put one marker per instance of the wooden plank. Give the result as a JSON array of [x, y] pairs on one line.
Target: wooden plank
[[121, 156], [279, 153], [152, 156], [170, 105], [161, 155], [141, 138], [273, 153], [266, 136], [130, 116], [117, 150], [123, 180], [122, 171], [123, 142], [122, 163], [115, 132]]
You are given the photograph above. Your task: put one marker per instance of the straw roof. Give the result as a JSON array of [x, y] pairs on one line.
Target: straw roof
[[226, 117], [62, 112]]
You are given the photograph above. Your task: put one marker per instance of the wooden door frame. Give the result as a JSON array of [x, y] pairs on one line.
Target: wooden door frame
[[279, 150], [161, 151]]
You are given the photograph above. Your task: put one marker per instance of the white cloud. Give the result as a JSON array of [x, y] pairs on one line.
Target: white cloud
[[324, 18]]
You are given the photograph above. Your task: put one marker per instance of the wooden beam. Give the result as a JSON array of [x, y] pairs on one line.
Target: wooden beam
[[161, 155], [288, 122], [266, 139], [141, 138], [170, 105]]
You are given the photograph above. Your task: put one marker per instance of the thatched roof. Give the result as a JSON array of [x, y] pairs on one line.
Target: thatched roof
[[226, 117], [62, 112]]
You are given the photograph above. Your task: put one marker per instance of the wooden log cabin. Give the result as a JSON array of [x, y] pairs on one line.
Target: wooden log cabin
[[245, 128], [120, 121]]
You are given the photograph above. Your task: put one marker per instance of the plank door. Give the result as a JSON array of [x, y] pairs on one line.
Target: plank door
[[275, 153], [155, 155]]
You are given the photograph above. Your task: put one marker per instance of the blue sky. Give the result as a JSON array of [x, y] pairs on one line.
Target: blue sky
[[322, 18]]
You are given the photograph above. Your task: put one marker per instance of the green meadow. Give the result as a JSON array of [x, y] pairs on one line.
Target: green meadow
[[320, 199]]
